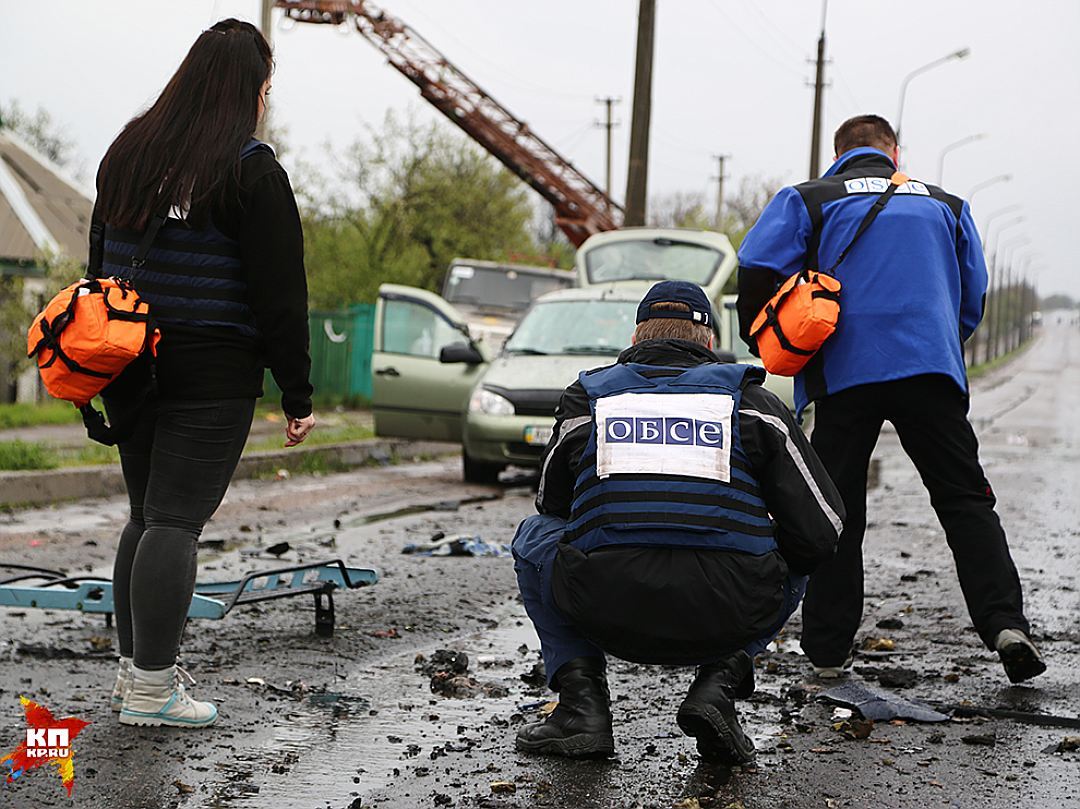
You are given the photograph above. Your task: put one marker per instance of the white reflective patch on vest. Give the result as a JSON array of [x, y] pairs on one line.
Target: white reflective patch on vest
[[665, 434], [878, 185]]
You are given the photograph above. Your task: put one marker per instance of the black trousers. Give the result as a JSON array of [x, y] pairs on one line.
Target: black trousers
[[929, 413], [177, 466]]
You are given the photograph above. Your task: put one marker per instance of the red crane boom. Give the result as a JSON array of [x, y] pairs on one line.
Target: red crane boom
[[581, 208]]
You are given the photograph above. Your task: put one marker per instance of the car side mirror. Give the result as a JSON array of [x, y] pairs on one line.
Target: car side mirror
[[461, 352]]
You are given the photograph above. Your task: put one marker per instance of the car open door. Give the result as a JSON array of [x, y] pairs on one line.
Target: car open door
[[424, 365]]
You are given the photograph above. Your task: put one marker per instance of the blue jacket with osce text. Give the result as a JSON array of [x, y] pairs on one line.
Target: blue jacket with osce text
[[913, 286]]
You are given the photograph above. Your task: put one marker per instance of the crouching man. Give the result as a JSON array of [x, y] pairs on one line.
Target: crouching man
[[681, 510]]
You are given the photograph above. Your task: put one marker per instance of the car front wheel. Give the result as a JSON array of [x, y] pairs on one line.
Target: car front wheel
[[480, 471]]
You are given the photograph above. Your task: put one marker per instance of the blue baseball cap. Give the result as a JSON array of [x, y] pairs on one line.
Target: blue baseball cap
[[676, 292]]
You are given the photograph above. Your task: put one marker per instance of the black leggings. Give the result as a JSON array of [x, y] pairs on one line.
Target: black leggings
[[177, 466]]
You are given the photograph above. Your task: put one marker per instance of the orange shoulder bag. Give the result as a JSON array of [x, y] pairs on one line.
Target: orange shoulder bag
[[802, 315], [88, 334]]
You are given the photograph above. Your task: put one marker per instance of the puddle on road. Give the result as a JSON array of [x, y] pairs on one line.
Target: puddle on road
[[381, 719]]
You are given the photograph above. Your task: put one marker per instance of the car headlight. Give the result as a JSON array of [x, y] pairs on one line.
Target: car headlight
[[490, 403]]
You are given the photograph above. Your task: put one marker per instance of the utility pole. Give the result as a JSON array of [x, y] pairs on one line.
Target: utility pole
[[266, 27], [720, 176], [608, 124], [819, 86], [637, 175]]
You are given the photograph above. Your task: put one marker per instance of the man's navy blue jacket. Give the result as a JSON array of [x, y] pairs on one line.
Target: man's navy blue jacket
[[913, 285]]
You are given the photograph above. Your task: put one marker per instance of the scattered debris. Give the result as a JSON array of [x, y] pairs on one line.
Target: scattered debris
[[536, 676], [182, 788], [45, 652], [984, 739], [890, 623], [444, 660], [462, 686], [279, 548], [503, 787], [457, 545], [100, 643], [968, 710], [392, 632], [1069, 744], [449, 675], [854, 728], [879, 645], [879, 705], [897, 677]]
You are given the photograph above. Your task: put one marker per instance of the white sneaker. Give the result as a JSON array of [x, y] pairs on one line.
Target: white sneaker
[[835, 672], [159, 698], [123, 683], [1019, 656]]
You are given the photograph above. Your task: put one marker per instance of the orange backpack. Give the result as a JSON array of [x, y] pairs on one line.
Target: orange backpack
[[802, 315], [87, 335]]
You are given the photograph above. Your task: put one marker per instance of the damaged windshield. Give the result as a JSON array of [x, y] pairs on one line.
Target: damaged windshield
[[652, 260], [575, 327]]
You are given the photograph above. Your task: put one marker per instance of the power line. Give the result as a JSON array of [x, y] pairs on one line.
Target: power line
[[772, 57]]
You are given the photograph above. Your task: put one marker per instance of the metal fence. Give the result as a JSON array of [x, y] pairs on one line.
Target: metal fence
[[341, 344]]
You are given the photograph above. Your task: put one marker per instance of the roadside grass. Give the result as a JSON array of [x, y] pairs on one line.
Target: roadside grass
[[984, 368], [320, 436], [27, 455], [29, 414], [308, 464], [30, 455], [24, 456]]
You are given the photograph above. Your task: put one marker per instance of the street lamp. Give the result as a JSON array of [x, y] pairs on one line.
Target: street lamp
[[954, 145], [1001, 178], [992, 329], [997, 307], [963, 53], [997, 213], [1011, 223], [1006, 254], [1014, 334]]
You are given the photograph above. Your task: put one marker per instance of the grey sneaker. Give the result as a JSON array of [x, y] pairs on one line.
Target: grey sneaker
[[123, 684], [1019, 656]]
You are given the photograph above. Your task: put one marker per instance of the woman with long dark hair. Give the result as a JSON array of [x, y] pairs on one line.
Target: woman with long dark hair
[[224, 277]]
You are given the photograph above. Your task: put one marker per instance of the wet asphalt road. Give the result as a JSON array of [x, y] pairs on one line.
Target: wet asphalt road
[[313, 722]]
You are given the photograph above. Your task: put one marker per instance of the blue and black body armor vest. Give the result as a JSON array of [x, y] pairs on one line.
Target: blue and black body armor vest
[[664, 464], [193, 277]]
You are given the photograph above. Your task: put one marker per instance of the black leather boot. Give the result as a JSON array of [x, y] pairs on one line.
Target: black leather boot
[[580, 726], [708, 712]]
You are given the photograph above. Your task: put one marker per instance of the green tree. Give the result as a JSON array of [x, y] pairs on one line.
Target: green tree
[[40, 131], [20, 301], [411, 199], [1058, 301]]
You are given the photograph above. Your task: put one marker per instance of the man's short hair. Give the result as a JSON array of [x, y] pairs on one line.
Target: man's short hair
[[666, 328], [864, 130]]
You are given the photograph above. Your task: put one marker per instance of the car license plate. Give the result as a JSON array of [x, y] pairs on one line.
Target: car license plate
[[537, 435]]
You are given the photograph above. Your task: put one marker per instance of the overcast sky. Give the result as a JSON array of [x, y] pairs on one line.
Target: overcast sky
[[729, 76]]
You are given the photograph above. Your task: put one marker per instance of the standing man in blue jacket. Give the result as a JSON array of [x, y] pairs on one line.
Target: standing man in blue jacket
[[913, 291]]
